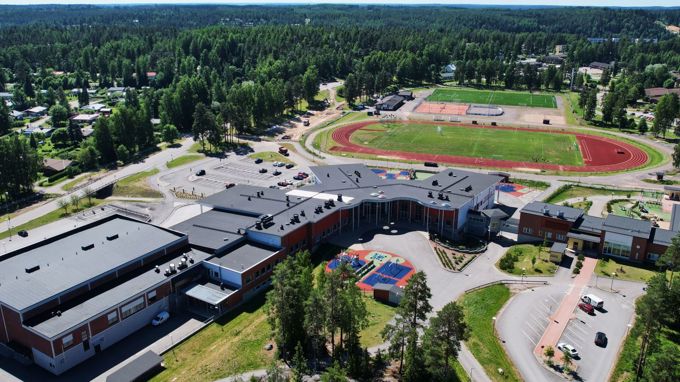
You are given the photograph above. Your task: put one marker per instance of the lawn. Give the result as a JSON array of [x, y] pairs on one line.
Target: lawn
[[136, 186], [52, 216], [270, 156], [515, 145], [624, 271], [524, 253], [535, 184], [571, 191], [493, 97], [184, 159], [480, 307]]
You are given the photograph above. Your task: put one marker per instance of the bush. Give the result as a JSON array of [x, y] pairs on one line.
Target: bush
[[581, 257], [507, 262], [576, 271], [579, 264]]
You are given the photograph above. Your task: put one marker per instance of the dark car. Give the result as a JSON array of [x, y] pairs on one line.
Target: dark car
[[229, 185], [298, 177], [431, 164], [600, 339], [305, 122], [283, 183], [587, 308], [285, 137], [258, 161], [200, 172], [23, 233], [290, 165], [276, 173], [263, 170], [303, 174]]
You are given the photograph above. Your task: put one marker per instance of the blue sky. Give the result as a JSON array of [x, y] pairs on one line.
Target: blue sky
[[620, 3]]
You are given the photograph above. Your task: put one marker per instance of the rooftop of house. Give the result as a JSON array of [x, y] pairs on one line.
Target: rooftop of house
[[663, 236], [553, 210], [243, 257], [40, 271], [627, 226], [56, 164], [215, 230]]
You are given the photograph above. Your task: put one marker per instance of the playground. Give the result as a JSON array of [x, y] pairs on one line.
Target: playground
[[373, 267]]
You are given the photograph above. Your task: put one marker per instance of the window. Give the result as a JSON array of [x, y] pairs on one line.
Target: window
[[248, 280], [151, 296], [548, 235], [653, 256], [132, 308], [615, 249], [527, 230], [67, 341], [112, 317], [257, 274], [269, 266], [560, 237]]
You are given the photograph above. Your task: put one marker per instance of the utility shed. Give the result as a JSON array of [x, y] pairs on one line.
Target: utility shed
[[387, 293]]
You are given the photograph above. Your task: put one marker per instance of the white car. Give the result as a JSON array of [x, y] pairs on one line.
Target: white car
[[160, 318], [566, 348]]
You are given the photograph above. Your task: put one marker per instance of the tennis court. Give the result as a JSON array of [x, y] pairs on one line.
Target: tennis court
[[373, 267]]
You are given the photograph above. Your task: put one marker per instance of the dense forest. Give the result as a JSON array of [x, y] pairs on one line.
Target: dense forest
[[247, 66]]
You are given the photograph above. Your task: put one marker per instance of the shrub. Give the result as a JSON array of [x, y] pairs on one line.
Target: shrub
[[576, 271], [579, 264], [581, 257]]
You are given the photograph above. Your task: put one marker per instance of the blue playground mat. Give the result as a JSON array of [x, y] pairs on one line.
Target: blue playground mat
[[356, 263], [393, 270], [376, 278]]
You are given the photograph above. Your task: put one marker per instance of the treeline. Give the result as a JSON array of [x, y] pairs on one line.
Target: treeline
[[316, 320], [19, 165]]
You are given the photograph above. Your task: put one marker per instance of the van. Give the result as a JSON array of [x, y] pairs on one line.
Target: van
[[593, 300]]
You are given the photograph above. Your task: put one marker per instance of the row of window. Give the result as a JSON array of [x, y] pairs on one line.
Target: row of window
[[261, 272], [618, 250], [548, 234]]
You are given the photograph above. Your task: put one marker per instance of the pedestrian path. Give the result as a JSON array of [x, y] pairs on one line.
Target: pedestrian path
[[560, 319]]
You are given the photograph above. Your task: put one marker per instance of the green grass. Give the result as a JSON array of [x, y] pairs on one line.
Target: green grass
[[535, 184], [516, 145], [379, 315], [524, 252], [52, 217], [231, 345], [632, 209], [664, 182], [270, 156], [571, 191], [572, 111], [480, 307], [583, 205], [624, 271], [493, 97], [136, 186], [184, 159]]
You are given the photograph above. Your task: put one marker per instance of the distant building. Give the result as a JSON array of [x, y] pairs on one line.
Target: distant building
[[94, 107], [553, 59], [448, 72], [85, 119], [30, 130], [151, 75], [561, 49], [600, 65], [407, 94], [5, 95], [654, 94], [390, 103], [17, 114], [116, 91], [673, 29], [52, 166], [37, 111]]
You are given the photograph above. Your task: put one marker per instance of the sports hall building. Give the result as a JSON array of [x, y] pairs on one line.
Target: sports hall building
[[69, 297]]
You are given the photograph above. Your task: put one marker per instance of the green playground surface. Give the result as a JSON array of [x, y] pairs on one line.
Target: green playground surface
[[501, 144], [493, 97]]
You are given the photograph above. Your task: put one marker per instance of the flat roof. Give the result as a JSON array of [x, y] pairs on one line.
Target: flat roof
[[663, 236], [627, 226], [244, 199], [214, 229], [210, 293], [244, 257], [64, 264], [592, 224], [538, 208], [558, 247], [102, 302], [137, 368]]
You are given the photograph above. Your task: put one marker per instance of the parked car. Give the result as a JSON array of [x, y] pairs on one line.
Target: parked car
[[566, 348], [305, 122], [587, 308], [258, 161], [263, 170], [290, 165], [229, 185], [286, 137], [160, 318], [200, 172], [283, 183], [23, 233], [303, 174], [431, 164], [298, 177], [601, 339], [276, 173]]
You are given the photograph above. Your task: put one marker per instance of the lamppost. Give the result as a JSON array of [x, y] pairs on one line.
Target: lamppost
[[613, 277]]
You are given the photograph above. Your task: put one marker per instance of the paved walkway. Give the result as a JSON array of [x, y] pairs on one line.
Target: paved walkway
[[565, 311]]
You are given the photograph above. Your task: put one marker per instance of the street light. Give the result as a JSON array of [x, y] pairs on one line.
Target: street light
[[613, 277]]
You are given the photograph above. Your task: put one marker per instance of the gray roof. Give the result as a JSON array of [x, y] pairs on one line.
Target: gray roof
[[558, 247], [494, 213], [675, 218], [553, 210], [627, 226], [243, 199], [137, 368], [663, 236], [103, 302], [243, 257], [591, 224], [208, 292], [65, 265], [390, 288], [215, 230]]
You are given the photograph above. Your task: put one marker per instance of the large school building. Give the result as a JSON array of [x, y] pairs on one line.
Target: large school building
[[67, 298]]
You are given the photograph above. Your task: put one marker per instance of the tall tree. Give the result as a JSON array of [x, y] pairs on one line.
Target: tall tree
[[310, 83], [5, 119], [442, 339]]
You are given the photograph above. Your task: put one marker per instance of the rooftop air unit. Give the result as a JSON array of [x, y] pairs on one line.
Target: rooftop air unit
[[112, 237], [546, 211], [87, 247], [560, 214]]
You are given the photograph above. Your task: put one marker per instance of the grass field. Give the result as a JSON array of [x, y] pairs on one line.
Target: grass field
[[514, 145], [571, 191], [524, 253], [270, 156], [493, 97], [137, 186], [607, 266], [184, 159], [480, 307]]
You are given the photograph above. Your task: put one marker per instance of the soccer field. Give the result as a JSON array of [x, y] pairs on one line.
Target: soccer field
[[502, 144], [493, 97]]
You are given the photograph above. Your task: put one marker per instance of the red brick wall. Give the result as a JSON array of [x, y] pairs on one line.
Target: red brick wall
[[22, 335], [641, 252], [542, 224], [101, 323], [263, 275], [77, 338]]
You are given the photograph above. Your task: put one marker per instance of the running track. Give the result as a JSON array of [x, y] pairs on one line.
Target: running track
[[600, 154]]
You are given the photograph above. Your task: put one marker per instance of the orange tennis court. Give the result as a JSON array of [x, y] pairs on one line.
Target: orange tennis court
[[442, 108]]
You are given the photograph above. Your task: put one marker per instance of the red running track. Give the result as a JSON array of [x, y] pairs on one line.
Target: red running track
[[600, 154]]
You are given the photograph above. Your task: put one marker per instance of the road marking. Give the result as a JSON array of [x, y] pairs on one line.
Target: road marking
[[530, 339]]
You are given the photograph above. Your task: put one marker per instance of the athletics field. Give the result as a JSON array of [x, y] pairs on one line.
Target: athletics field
[[486, 97], [488, 146]]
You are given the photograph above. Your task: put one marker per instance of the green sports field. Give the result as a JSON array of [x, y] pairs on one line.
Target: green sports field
[[514, 145], [493, 97]]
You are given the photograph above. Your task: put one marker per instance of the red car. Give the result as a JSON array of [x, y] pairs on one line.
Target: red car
[[587, 308]]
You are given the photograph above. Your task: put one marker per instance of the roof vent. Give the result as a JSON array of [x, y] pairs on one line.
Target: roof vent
[[302, 213], [258, 224], [157, 269], [339, 197], [248, 197], [296, 218], [357, 180], [435, 182], [468, 188], [112, 237], [560, 214], [287, 198], [429, 194], [281, 227], [58, 313], [546, 211], [328, 175], [32, 269], [357, 173], [87, 247], [450, 173]]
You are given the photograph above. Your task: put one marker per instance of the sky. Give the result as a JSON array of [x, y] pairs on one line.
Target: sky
[[619, 3]]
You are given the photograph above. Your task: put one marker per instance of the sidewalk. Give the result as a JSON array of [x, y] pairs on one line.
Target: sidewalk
[[565, 311]]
